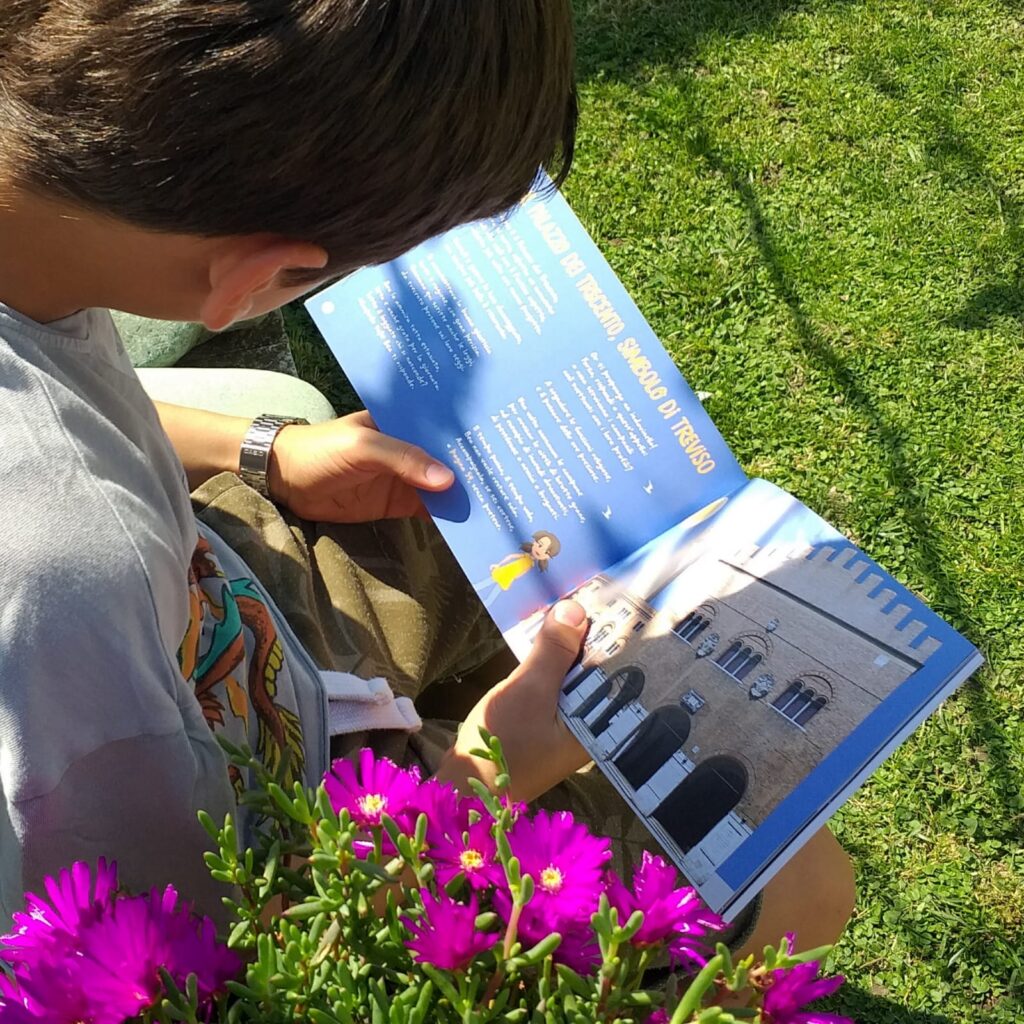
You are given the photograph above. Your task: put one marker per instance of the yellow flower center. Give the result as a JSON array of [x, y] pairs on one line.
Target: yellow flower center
[[471, 860], [551, 879], [373, 804]]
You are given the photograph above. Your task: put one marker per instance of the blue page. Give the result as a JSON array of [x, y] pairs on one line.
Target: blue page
[[510, 350]]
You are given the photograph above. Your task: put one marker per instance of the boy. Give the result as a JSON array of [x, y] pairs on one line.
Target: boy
[[210, 160]]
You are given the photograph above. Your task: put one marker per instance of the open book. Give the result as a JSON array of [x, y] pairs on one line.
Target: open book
[[746, 667]]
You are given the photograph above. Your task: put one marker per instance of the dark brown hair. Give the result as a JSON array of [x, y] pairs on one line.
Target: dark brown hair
[[364, 126], [554, 547]]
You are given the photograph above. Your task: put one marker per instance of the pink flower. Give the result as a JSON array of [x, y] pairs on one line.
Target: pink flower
[[120, 955], [471, 853], [377, 788], [578, 949], [658, 1017], [446, 935], [567, 864], [52, 995], [675, 916], [48, 926], [792, 989], [447, 813], [89, 956]]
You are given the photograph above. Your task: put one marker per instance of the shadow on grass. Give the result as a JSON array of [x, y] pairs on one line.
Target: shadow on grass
[[929, 561], [865, 1008], [990, 304], [955, 158], [622, 37]]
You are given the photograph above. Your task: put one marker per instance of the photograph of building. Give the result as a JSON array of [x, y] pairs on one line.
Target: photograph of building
[[716, 676]]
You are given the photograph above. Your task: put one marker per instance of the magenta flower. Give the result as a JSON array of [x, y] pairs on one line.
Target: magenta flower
[[675, 916], [578, 949], [792, 989], [658, 1017], [16, 1007], [516, 807], [120, 955], [447, 813], [191, 944], [89, 956], [567, 864], [47, 927], [446, 935], [472, 853], [566, 861], [377, 788], [50, 994]]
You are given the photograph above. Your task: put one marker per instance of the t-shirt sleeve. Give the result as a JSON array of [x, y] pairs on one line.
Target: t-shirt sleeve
[[135, 800], [104, 748]]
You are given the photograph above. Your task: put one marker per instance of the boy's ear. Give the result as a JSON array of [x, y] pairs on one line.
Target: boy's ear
[[244, 274]]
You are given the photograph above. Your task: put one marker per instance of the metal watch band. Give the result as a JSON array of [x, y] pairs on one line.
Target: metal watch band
[[254, 455]]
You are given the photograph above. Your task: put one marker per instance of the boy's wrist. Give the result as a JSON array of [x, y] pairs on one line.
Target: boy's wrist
[[257, 464]]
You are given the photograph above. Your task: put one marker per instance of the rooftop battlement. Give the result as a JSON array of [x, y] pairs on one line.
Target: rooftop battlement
[[878, 597]]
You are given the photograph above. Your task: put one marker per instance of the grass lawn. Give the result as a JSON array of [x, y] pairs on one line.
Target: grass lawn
[[820, 208]]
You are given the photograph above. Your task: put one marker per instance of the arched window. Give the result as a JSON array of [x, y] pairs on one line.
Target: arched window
[[739, 659], [573, 684], [624, 687], [799, 702], [655, 740], [702, 800], [811, 710], [691, 627]]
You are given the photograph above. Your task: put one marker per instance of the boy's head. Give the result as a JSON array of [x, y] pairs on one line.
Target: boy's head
[[351, 128]]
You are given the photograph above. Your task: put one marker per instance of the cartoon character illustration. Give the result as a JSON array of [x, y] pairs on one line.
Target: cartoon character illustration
[[534, 554]]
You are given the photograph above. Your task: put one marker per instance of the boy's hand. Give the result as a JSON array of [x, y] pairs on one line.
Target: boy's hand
[[347, 471], [522, 712]]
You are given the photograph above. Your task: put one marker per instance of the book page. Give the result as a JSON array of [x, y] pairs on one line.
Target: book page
[[742, 673], [509, 350]]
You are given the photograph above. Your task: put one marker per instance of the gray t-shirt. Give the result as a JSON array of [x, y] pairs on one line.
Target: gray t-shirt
[[128, 636]]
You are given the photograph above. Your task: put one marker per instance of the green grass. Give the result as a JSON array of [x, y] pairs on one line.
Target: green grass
[[820, 208]]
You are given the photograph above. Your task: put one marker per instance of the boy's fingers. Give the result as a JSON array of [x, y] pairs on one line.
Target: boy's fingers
[[557, 644], [407, 462]]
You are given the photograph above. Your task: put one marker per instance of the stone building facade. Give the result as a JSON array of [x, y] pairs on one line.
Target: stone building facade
[[712, 697]]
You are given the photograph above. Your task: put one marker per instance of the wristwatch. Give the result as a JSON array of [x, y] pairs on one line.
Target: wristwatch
[[254, 455]]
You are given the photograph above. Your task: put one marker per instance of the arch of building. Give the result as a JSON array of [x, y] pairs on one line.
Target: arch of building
[[574, 683], [803, 698], [702, 800], [743, 655], [619, 689], [691, 625], [626, 686], [654, 741]]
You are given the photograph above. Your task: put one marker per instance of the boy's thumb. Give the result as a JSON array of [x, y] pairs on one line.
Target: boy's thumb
[[557, 645]]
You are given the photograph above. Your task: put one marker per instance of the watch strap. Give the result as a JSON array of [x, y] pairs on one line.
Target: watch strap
[[254, 454]]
